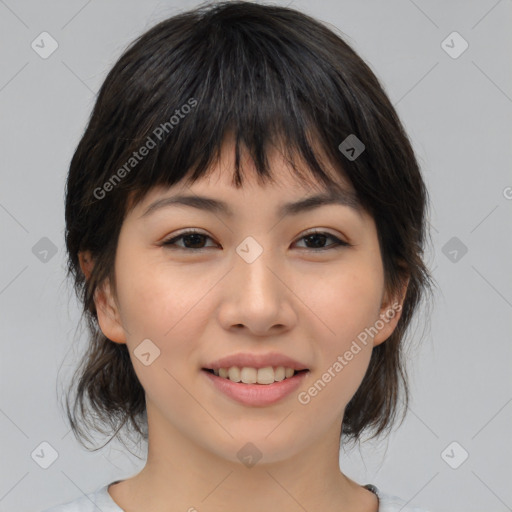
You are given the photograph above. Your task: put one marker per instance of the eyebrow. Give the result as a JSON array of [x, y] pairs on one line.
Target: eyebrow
[[208, 204]]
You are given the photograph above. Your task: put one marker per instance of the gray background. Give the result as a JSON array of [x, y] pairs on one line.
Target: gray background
[[457, 112]]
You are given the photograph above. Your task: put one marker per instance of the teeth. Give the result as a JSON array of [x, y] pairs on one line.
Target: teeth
[[267, 375], [234, 374]]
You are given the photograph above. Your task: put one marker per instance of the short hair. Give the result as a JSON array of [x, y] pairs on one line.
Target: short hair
[[261, 73]]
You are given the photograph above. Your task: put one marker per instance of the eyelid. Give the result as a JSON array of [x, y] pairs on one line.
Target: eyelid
[[322, 231], [183, 232]]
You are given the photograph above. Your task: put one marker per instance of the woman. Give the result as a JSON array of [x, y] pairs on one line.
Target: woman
[[245, 220]]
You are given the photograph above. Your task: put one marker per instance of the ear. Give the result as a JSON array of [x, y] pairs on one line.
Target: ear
[[86, 264], [107, 309], [390, 312]]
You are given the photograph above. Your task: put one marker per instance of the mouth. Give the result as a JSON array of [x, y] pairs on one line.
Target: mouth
[[249, 375], [256, 387]]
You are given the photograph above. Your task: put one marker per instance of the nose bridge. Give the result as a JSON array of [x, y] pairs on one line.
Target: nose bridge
[[256, 281], [255, 297]]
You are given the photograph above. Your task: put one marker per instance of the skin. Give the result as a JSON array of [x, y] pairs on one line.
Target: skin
[[199, 306]]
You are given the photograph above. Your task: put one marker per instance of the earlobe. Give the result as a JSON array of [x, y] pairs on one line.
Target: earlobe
[[106, 307]]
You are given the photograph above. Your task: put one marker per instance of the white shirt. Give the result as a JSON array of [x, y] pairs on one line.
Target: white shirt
[[100, 500]]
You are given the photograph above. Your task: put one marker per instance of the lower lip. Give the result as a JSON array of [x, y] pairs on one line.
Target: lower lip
[[256, 394]]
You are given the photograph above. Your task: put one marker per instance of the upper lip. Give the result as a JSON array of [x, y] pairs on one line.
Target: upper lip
[[256, 361]]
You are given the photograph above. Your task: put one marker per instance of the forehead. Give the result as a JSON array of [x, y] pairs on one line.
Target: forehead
[[292, 179]]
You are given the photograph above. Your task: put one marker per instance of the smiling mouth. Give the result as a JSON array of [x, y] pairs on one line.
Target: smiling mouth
[[246, 375]]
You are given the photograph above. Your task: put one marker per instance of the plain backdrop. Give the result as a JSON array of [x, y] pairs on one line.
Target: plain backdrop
[[454, 451]]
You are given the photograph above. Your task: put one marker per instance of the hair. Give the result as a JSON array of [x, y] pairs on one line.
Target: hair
[[259, 73]]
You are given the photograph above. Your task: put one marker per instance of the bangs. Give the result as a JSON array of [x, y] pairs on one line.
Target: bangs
[[182, 94]]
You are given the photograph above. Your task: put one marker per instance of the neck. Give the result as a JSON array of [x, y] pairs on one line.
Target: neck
[[182, 475]]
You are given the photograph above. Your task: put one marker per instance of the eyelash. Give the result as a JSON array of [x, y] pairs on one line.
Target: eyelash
[[336, 245]]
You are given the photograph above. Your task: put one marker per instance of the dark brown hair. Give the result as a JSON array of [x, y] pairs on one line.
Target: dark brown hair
[[262, 73]]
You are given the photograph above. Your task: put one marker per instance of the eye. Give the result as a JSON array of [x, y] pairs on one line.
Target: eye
[[195, 240], [192, 240], [318, 238]]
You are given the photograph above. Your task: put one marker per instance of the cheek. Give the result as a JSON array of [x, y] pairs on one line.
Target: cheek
[[169, 305], [157, 298], [346, 299], [162, 305], [346, 303]]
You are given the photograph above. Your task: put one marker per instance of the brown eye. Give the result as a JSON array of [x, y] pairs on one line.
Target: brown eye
[[317, 240], [193, 240]]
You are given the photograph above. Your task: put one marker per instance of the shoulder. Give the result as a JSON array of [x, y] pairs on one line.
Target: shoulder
[[99, 499], [390, 503]]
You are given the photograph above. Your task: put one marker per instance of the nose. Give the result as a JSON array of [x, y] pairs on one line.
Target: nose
[[257, 297]]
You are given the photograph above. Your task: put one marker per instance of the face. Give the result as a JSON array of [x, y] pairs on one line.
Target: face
[[306, 285]]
